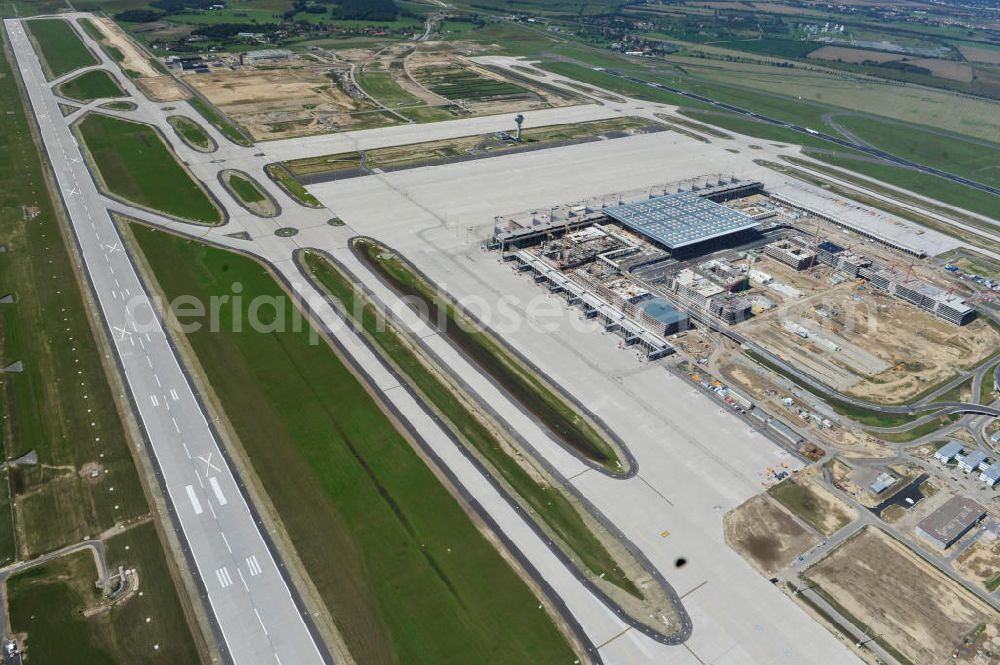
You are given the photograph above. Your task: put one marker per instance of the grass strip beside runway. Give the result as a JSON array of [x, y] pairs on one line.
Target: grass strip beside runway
[[547, 501], [402, 569], [95, 84], [137, 165], [51, 602], [521, 382], [61, 49], [60, 404], [220, 121]]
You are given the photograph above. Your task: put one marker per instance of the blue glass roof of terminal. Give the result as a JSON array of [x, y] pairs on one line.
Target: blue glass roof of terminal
[[681, 219]]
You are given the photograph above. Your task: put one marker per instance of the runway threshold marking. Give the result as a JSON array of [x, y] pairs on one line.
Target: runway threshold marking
[[217, 490], [254, 566], [195, 503], [225, 579]]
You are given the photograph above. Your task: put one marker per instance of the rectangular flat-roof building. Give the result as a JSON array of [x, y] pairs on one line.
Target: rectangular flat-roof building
[[882, 483], [971, 462], [948, 451], [951, 521], [991, 474], [684, 222], [664, 316]]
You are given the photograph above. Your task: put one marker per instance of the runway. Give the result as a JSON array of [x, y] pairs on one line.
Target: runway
[[251, 603]]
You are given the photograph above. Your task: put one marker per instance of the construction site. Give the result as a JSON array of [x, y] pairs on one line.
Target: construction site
[[278, 93], [863, 314]]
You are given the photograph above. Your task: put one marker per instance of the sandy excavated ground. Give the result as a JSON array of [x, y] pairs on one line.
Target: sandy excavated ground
[[765, 534], [907, 602], [919, 349], [160, 87], [292, 100], [981, 562]]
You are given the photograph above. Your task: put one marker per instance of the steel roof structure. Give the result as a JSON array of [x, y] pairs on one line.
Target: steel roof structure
[[681, 219]]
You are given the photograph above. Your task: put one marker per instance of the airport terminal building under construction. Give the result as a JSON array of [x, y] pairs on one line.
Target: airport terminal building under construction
[[645, 268]]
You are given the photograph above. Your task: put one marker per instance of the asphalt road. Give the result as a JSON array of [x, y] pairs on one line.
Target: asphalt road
[[247, 595], [836, 140]]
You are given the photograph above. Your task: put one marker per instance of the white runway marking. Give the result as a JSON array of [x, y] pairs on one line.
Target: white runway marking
[[225, 580], [225, 541], [254, 566], [195, 503], [214, 483], [244, 580], [152, 398], [261, 621], [173, 395]]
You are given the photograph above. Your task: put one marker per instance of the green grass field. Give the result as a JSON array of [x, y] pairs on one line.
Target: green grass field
[[544, 500], [8, 539], [941, 150], [220, 121], [245, 189], [61, 50], [466, 85], [137, 165], [95, 84], [292, 187], [191, 133], [47, 603], [402, 569], [520, 381], [379, 84], [807, 504], [61, 405], [926, 185]]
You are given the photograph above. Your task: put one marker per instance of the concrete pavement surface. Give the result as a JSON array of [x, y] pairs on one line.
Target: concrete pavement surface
[[257, 617], [695, 461]]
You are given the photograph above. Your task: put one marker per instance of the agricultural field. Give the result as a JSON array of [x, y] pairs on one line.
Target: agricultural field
[[60, 49], [414, 580], [804, 496], [134, 163], [912, 608], [96, 84], [315, 169], [474, 89], [764, 533]]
